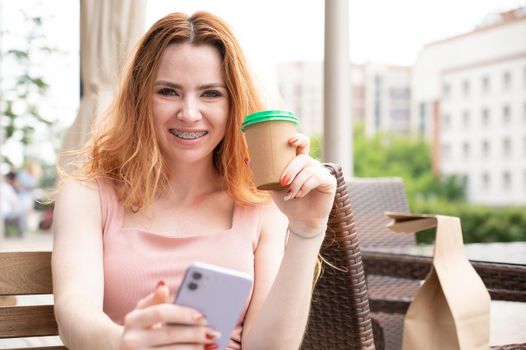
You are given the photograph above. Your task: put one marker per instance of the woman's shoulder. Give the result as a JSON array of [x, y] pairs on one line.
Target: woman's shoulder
[[270, 213], [74, 186]]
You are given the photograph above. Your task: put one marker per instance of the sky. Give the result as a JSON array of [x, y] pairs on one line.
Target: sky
[[381, 31], [270, 32]]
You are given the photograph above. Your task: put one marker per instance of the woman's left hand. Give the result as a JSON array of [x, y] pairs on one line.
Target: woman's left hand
[[308, 200]]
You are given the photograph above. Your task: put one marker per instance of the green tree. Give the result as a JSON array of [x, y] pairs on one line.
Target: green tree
[[22, 94], [410, 158], [385, 155]]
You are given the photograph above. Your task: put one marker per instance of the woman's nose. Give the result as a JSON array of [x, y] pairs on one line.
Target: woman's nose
[[189, 111]]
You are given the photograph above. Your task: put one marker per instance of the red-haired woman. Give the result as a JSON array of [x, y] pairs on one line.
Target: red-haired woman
[[164, 183]]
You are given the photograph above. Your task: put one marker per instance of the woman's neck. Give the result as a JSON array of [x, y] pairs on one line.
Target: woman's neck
[[190, 182]]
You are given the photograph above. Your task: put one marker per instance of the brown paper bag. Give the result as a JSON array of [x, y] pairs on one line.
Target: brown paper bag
[[451, 308]]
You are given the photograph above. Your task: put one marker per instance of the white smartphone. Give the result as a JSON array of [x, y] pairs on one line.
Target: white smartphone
[[218, 293]]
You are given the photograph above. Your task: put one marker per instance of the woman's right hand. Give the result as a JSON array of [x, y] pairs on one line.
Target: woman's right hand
[[157, 323]]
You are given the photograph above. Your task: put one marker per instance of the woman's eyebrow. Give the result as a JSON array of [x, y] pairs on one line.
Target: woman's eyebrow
[[178, 86], [167, 83], [211, 86]]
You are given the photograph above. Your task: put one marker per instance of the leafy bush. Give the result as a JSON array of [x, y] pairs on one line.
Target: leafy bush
[[479, 223], [385, 155]]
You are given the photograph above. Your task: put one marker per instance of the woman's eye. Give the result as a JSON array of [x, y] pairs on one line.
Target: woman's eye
[[168, 92], [211, 93]]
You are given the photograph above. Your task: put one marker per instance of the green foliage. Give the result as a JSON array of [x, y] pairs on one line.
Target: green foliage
[[385, 155], [23, 93], [479, 223], [315, 147]]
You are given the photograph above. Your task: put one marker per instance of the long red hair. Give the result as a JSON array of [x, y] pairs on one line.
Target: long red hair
[[124, 150]]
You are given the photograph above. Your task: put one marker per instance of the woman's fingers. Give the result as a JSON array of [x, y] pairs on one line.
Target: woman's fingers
[[155, 322], [159, 296], [185, 334], [164, 313], [302, 144], [297, 185], [171, 335], [295, 166]]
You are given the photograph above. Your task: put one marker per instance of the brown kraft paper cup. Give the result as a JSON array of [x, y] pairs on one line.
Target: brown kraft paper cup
[[270, 151]]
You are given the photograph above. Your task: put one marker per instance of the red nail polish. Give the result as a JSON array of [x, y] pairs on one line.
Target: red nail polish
[[212, 335], [290, 190], [161, 283], [211, 346], [285, 180]]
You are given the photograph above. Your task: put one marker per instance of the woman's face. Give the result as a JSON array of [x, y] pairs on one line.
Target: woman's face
[[190, 103]]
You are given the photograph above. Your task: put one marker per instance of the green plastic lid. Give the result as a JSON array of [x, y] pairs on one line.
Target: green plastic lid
[[270, 115]]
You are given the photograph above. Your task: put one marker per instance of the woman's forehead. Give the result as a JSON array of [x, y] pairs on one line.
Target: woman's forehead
[[187, 60]]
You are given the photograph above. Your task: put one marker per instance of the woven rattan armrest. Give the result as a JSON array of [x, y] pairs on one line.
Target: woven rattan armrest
[[504, 281], [339, 316]]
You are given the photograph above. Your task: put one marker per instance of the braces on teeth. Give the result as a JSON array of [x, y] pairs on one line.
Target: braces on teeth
[[188, 135]]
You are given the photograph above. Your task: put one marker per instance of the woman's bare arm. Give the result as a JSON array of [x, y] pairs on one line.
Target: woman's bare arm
[[78, 277], [279, 308], [279, 311]]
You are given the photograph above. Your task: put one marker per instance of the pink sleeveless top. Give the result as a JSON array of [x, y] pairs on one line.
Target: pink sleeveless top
[[135, 260]]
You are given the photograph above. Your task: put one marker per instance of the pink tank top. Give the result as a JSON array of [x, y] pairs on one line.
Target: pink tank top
[[134, 261]]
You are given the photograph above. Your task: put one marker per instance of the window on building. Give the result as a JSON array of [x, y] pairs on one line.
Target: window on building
[[485, 117], [446, 121], [466, 150], [377, 103], [377, 113], [485, 84], [485, 148], [399, 114], [446, 91], [465, 119], [506, 80], [446, 151], [399, 93], [378, 85], [506, 147], [422, 118], [465, 88], [506, 114], [486, 179], [506, 180]]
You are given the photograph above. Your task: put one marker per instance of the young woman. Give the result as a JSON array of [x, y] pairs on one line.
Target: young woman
[[165, 183]]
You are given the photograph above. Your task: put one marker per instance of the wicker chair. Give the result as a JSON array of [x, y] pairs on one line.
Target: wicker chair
[[339, 316], [370, 198], [392, 277]]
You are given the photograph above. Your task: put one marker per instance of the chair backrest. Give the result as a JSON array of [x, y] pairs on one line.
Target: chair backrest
[[394, 277], [339, 316], [26, 273], [370, 199]]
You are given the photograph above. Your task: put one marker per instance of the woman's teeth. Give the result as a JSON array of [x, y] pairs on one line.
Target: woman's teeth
[[188, 135]]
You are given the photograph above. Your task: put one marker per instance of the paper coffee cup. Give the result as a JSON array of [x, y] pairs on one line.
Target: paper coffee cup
[[268, 134]]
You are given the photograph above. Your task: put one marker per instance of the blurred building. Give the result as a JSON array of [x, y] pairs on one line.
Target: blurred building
[[469, 98], [380, 95], [387, 98]]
